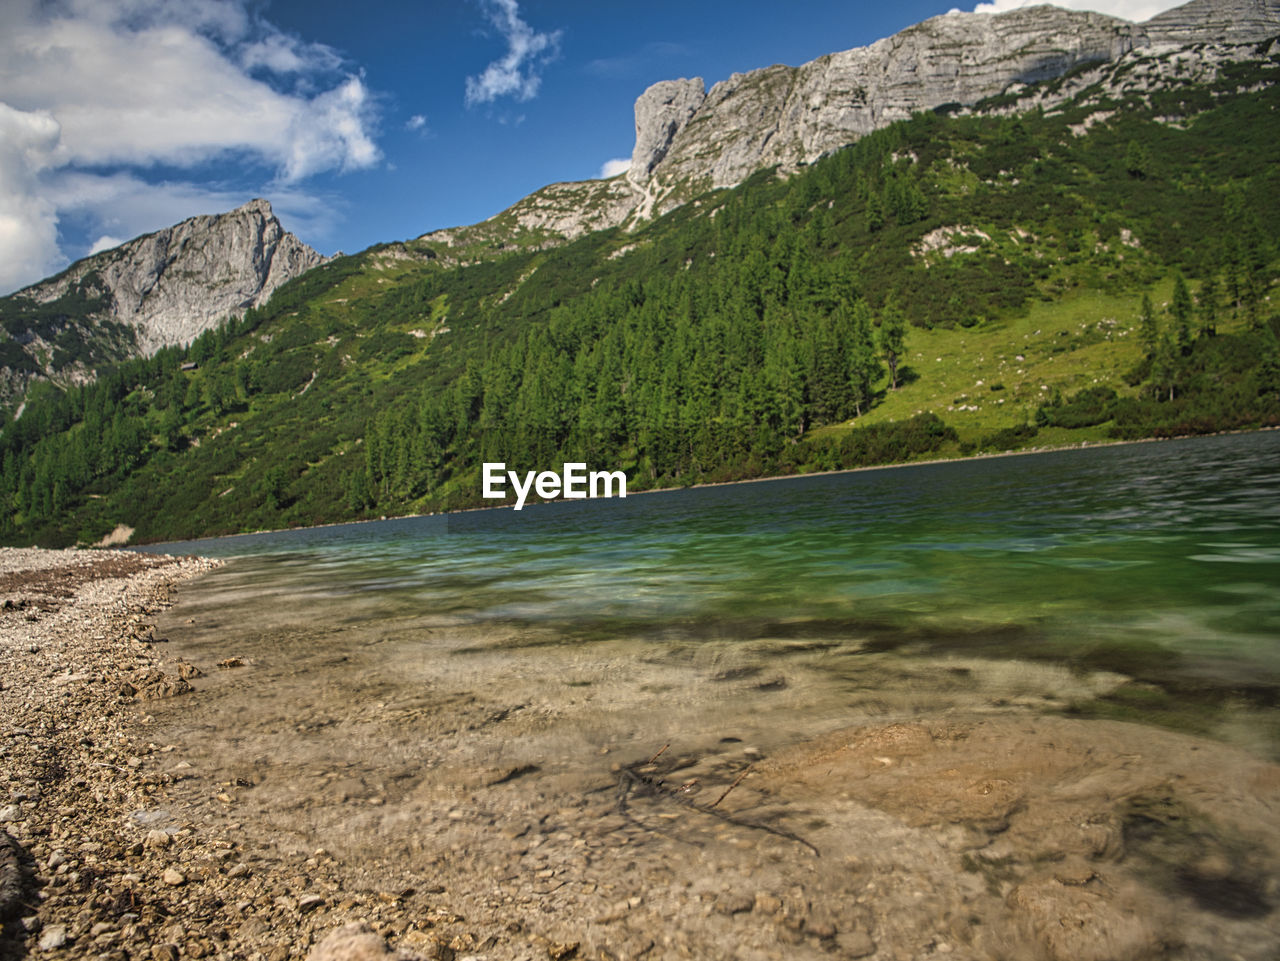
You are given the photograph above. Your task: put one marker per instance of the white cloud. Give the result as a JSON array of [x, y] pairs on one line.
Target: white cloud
[[416, 122], [283, 54], [105, 242], [611, 168], [330, 133], [95, 89], [519, 73], [28, 221], [1135, 11]]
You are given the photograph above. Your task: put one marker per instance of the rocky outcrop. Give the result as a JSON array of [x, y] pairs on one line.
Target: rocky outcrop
[[546, 218], [689, 140], [789, 116], [172, 285], [1217, 21], [662, 112]]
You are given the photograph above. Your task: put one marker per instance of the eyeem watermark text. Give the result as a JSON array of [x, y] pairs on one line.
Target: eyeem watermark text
[[573, 482]]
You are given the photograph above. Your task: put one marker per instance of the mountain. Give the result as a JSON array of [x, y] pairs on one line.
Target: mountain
[[157, 290], [690, 140], [1086, 257]]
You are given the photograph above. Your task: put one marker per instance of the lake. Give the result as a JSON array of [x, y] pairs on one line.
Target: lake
[[1148, 554], [926, 710]]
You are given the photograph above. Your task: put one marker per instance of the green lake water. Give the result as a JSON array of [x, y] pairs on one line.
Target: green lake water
[[1160, 561]]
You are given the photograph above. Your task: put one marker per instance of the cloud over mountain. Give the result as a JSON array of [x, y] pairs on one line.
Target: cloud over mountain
[[96, 93]]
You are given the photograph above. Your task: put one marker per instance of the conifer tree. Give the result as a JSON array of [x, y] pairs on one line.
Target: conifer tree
[[864, 364], [893, 335], [1209, 306], [875, 212], [1180, 308], [1164, 368], [1148, 330]]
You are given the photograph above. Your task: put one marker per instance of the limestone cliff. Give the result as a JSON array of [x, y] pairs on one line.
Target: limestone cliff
[[689, 139], [171, 285], [788, 116]]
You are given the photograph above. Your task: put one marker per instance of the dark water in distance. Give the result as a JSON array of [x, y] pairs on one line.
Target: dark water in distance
[[1174, 544]]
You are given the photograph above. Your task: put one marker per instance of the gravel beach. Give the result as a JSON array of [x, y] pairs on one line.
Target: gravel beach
[[176, 785], [94, 860]]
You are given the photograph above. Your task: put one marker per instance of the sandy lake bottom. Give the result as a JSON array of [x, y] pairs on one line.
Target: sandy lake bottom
[[691, 792]]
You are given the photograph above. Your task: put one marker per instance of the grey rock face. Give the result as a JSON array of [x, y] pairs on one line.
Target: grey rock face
[[689, 139], [1222, 21], [788, 116], [172, 285], [661, 112]]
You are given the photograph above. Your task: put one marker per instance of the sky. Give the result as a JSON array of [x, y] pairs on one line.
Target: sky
[[360, 122]]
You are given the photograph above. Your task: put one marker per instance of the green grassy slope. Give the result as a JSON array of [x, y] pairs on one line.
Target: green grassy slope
[[741, 334]]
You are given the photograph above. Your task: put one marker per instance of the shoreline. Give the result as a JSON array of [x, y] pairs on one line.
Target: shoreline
[[331, 792], [103, 854], [1083, 445]]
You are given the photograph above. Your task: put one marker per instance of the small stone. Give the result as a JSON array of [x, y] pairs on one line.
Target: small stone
[[173, 877], [855, 944], [238, 870], [165, 952], [54, 937], [561, 952], [309, 902], [56, 860], [157, 839], [768, 903], [10, 812], [734, 903], [821, 927], [1074, 871]]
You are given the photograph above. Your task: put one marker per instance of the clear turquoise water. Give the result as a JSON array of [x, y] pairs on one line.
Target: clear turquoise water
[[1158, 548]]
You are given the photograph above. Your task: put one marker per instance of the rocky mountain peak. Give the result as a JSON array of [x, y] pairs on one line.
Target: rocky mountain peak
[[690, 139], [171, 285], [788, 116], [1215, 21], [661, 112]]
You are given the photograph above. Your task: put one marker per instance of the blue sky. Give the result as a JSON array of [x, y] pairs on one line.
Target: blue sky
[[360, 122]]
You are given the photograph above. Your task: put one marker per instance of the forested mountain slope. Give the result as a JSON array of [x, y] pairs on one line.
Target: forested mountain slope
[[160, 289], [948, 284]]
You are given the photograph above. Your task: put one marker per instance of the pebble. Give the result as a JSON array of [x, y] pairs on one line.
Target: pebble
[[54, 937], [855, 944], [734, 903], [767, 903], [173, 877]]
